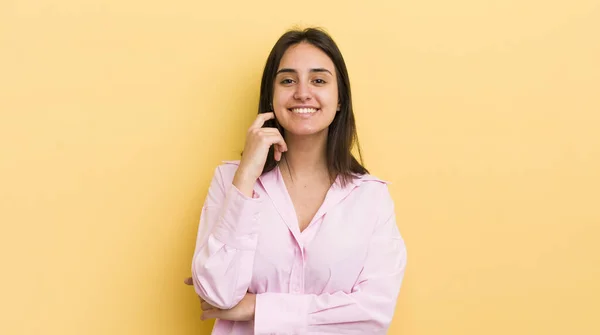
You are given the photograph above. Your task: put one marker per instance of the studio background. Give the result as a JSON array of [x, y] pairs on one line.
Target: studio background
[[484, 116]]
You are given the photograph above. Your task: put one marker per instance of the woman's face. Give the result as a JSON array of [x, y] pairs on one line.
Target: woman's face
[[305, 97]]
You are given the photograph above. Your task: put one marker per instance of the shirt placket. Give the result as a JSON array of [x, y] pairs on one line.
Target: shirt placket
[[298, 279], [297, 275]]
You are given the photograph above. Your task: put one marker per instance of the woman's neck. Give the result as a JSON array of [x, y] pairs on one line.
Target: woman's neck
[[306, 156]]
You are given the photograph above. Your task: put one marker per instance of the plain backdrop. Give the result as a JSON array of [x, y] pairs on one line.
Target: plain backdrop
[[484, 116]]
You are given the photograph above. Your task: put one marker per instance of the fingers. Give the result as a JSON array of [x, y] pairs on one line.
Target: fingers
[[270, 136], [208, 310], [279, 145], [277, 154], [261, 119], [276, 140], [205, 306], [212, 314]]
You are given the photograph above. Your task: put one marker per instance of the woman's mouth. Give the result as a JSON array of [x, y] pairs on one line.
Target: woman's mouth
[[304, 110]]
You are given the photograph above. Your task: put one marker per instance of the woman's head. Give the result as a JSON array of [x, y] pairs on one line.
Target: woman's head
[[305, 82], [305, 91]]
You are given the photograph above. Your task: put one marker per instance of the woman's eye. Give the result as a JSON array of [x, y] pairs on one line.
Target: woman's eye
[[320, 81], [287, 81]]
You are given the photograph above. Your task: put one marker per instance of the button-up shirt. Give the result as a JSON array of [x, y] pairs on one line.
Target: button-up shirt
[[341, 275]]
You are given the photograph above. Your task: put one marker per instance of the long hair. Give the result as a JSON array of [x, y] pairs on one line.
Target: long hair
[[342, 134]]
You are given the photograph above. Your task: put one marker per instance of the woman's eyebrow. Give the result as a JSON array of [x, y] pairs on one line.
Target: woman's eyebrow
[[288, 70], [321, 70]]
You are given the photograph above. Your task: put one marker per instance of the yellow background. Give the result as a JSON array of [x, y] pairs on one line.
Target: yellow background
[[485, 116]]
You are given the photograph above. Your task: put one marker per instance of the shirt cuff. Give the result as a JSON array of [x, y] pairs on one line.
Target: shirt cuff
[[281, 313]]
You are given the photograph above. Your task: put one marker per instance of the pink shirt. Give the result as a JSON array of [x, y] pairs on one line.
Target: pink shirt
[[341, 275]]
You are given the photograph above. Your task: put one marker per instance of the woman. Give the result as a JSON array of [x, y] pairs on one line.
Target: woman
[[297, 237]]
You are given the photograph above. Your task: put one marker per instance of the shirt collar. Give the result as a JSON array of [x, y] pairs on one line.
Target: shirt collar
[[274, 187]]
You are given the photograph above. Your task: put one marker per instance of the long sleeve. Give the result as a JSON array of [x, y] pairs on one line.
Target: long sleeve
[[367, 309], [225, 245]]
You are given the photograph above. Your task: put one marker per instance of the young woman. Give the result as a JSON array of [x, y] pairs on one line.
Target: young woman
[[297, 237]]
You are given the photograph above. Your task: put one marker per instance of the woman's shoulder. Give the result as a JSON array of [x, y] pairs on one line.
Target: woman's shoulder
[[371, 186], [370, 181], [230, 164], [226, 169], [370, 178], [374, 191]]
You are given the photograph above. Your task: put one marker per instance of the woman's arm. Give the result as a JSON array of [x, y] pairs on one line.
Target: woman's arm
[[225, 244]]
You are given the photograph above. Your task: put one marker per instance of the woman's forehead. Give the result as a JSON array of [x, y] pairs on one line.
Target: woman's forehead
[[305, 57]]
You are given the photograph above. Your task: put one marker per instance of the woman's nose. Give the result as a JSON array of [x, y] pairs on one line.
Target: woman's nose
[[302, 92]]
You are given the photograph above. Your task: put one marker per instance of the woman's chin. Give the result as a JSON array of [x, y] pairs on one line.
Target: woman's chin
[[304, 131]]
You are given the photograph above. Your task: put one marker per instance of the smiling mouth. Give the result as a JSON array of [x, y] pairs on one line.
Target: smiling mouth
[[304, 110]]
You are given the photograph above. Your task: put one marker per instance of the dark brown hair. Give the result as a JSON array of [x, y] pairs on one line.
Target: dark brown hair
[[342, 131]]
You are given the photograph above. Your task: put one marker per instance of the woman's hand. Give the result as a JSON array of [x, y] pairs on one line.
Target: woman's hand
[[243, 311], [256, 149]]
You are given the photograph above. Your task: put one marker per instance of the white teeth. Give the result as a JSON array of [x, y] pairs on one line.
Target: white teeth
[[304, 110]]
